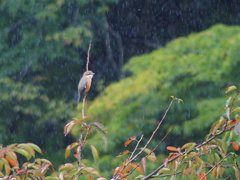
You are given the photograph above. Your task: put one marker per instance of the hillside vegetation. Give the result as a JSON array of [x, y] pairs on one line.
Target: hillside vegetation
[[196, 69]]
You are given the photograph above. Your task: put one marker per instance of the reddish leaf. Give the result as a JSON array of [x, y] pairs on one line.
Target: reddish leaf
[[202, 176], [235, 146], [171, 148], [139, 169], [123, 153], [132, 138], [173, 155], [127, 142], [75, 155], [12, 162], [20, 172], [88, 176], [233, 121]]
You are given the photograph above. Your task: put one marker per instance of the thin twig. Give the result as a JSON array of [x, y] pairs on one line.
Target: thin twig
[[87, 133], [215, 166], [165, 175], [79, 150], [162, 139], [152, 149], [88, 57], [184, 153], [136, 146], [83, 104], [150, 139], [154, 132]]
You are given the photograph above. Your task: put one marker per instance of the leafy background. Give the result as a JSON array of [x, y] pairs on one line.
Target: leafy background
[[43, 50]]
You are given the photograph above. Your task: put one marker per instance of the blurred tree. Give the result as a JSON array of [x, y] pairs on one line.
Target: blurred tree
[[145, 25], [43, 49], [194, 68]]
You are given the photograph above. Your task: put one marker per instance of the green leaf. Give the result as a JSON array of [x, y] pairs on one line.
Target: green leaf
[[164, 171], [217, 125], [187, 145], [94, 152], [191, 147], [237, 172], [237, 109], [66, 167], [230, 88], [35, 147], [43, 161], [28, 148], [23, 152], [102, 131], [90, 170]]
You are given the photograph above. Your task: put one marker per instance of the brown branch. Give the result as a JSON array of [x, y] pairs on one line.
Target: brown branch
[[162, 140], [79, 150], [215, 166], [88, 57], [158, 126], [150, 139], [151, 150], [82, 142], [83, 104], [136, 146], [165, 175], [184, 153]]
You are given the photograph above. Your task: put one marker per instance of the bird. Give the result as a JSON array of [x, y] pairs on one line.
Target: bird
[[84, 84]]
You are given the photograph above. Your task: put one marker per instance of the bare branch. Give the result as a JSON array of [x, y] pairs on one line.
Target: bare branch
[[149, 140], [88, 57], [83, 104], [152, 174], [136, 146], [215, 166]]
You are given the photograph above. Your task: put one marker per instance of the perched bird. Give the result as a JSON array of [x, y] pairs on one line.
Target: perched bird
[[85, 83]]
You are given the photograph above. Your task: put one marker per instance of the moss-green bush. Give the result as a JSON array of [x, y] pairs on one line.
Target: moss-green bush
[[196, 69]]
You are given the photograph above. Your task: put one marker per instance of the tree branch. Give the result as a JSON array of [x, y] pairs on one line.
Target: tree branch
[[151, 175], [215, 166], [88, 57], [149, 140]]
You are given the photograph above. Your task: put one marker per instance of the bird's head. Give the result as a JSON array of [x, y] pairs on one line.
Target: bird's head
[[88, 74]]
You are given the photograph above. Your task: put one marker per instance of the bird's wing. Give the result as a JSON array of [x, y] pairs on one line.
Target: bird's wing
[[82, 84]]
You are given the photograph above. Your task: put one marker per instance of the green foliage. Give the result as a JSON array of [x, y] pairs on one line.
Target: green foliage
[[194, 68], [40, 65], [193, 160]]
